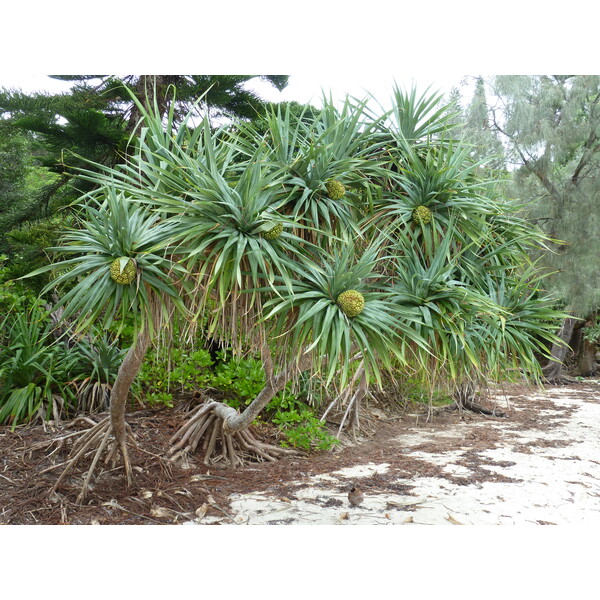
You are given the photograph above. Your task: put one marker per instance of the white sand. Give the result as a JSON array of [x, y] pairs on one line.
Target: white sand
[[558, 485]]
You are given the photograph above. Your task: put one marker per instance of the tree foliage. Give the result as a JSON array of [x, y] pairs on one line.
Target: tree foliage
[[92, 123], [551, 128], [94, 120], [451, 294], [337, 242]]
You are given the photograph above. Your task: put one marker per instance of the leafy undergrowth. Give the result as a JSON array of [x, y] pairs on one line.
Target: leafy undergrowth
[[236, 381]]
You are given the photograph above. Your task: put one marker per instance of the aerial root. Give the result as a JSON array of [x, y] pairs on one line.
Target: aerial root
[[96, 441], [221, 449], [350, 397]]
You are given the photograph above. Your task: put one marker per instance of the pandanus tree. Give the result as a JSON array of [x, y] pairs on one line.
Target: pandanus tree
[[462, 260], [301, 241], [118, 271]]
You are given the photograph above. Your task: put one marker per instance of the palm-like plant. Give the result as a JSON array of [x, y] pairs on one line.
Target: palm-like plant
[[418, 120], [114, 234], [34, 369], [432, 188], [313, 318], [99, 358], [231, 235], [338, 146], [239, 229], [110, 231]]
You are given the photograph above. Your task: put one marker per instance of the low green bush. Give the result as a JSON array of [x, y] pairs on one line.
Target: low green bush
[[98, 361], [238, 381], [34, 370]]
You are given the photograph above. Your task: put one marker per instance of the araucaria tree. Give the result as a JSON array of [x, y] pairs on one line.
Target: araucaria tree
[[347, 245]]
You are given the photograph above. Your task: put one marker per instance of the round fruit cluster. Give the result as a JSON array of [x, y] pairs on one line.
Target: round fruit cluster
[[335, 189], [422, 215], [351, 302], [123, 270], [273, 233]]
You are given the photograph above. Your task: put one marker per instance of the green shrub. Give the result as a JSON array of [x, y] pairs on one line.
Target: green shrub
[[14, 296], [299, 423], [180, 371], [239, 381], [242, 378], [591, 333], [34, 370], [98, 361]]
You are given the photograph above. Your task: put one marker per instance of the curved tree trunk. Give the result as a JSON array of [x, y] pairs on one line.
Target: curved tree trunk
[[553, 370], [130, 367], [216, 423], [234, 421], [96, 439]]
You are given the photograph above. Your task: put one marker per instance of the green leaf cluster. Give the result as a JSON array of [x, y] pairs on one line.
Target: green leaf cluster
[[455, 299], [177, 371], [42, 377]]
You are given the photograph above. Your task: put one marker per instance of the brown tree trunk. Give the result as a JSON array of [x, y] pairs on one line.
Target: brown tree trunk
[[130, 367], [586, 354], [553, 370], [576, 342], [99, 434], [586, 362]]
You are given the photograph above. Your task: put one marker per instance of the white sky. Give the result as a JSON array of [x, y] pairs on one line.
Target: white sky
[[344, 48], [302, 87]]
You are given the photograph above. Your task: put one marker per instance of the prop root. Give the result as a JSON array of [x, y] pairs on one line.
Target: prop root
[[221, 447], [96, 441]]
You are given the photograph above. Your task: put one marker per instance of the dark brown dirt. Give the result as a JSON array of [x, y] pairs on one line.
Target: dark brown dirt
[[165, 492]]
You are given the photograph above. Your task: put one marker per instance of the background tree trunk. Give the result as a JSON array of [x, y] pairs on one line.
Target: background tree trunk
[[553, 370], [576, 342], [586, 363], [586, 356]]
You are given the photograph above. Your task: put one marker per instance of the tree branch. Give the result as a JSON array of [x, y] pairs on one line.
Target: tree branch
[[585, 156], [234, 421], [528, 163]]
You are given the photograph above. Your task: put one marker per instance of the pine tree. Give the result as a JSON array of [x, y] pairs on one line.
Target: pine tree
[[20, 175], [97, 117], [478, 131], [15, 161], [551, 125], [454, 111]]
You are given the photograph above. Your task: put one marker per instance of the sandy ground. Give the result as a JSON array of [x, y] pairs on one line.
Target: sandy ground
[[538, 465], [545, 470]]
